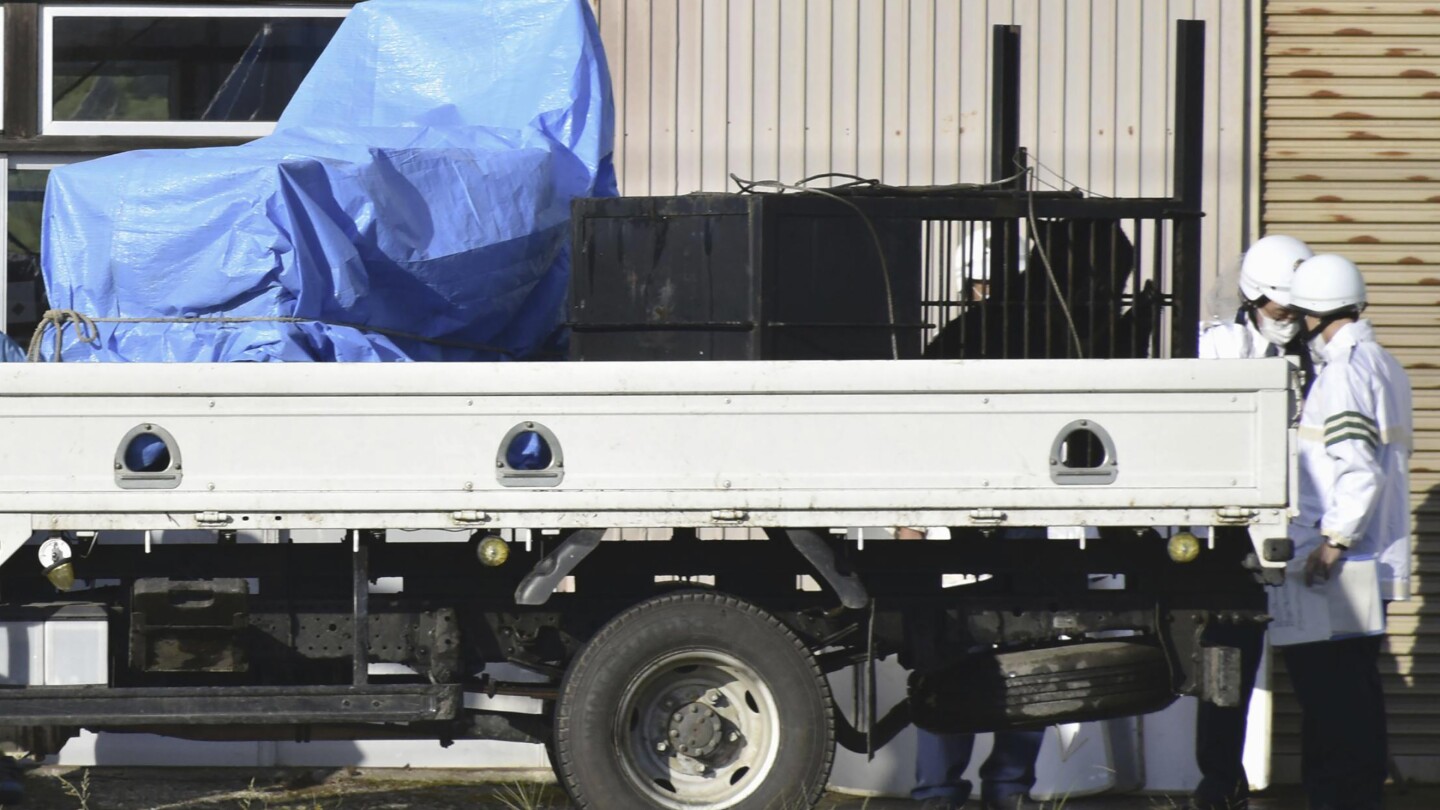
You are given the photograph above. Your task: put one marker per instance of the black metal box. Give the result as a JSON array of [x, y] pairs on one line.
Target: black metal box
[[189, 625], [742, 277]]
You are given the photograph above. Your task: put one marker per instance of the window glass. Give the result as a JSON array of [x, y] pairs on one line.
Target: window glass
[[25, 298], [231, 68]]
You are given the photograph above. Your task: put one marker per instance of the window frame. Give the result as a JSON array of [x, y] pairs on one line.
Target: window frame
[[4, 80], [20, 162], [5, 228], [153, 129]]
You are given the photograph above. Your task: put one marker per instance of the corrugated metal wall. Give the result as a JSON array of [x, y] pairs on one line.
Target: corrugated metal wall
[[898, 89], [1352, 165]]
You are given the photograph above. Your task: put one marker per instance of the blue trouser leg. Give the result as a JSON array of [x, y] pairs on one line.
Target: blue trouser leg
[[1010, 768], [12, 787], [1342, 721], [940, 763], [1220, 730]]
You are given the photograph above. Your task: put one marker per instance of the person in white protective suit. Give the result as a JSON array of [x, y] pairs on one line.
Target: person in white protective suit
[[1355, 445], [1264, 326]]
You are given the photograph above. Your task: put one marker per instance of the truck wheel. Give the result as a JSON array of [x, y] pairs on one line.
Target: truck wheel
[[694, 700]]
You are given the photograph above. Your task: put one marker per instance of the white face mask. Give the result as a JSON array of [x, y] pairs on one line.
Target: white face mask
[[1317, 349], [1278, 332]]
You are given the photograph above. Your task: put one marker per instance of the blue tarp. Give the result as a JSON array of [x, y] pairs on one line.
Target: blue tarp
[[418, 183], [10, 351]]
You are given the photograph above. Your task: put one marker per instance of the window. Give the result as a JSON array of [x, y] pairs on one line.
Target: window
[[163, 70]]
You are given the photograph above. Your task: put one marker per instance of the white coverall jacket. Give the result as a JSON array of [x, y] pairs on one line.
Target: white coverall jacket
[[1355, 445], [1235, 341]]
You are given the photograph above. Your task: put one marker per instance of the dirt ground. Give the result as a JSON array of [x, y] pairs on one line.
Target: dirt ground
[[355, 789]]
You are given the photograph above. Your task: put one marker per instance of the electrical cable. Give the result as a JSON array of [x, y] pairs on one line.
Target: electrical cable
[[872, 707], [855, 180], [1042, 181], [951, 187], [748, 186], [1063, 179], [94, 538], [1164, 648], [1050, 271]]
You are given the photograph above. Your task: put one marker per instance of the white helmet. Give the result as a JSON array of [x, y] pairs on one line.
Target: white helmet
[[1269, 266], [971, 260], [1327, 283], [972, 256]]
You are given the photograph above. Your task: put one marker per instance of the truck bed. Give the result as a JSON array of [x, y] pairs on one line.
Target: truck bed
[[693, 444]]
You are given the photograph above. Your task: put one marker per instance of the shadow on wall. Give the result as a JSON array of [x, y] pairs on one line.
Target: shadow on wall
[[1406, 661]]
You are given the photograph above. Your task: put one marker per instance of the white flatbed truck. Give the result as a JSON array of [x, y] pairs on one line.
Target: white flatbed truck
[[684, 671]]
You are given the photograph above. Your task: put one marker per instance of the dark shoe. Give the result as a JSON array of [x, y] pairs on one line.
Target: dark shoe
[[12, 783]]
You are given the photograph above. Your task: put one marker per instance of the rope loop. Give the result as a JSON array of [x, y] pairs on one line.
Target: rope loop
[[85, 329]]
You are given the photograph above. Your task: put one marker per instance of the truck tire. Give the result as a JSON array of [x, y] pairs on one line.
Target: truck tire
[[1094, 680], [694, 700]]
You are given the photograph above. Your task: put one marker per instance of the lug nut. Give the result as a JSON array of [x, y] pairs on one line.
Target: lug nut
[[662, 747], [715, 697], [734, 736]]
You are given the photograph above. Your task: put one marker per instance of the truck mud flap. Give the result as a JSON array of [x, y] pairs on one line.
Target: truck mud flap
[[879, 735]]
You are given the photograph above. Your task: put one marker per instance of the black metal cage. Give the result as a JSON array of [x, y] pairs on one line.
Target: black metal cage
[[867, 271]]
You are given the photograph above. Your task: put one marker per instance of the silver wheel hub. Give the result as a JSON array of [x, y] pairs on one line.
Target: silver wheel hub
[[697, 729]]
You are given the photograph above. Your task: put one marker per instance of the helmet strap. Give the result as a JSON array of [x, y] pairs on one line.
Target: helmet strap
[[1348, 313], [1248, 310]]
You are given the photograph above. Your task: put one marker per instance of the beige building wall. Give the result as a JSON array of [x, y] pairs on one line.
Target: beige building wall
[[1352, 165], [899, 90]]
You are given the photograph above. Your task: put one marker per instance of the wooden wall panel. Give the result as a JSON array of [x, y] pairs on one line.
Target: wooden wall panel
[[1352, 165]]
